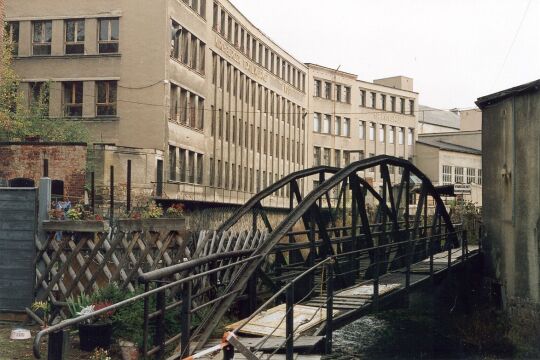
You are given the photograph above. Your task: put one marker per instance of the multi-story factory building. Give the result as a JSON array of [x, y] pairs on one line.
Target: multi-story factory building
[[205, 105]]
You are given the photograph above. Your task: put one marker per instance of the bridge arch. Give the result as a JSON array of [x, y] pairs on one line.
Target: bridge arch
[[391, 222]]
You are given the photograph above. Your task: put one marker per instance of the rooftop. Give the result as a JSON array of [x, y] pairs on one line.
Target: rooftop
[[484, 101], [469, 142], [439, 117]]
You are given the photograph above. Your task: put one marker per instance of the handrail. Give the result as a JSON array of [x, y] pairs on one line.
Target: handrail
[[305, 205], [271, 189], [74, 321], [190, 264]]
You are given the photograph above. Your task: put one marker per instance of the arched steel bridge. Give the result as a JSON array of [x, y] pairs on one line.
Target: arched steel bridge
[[339, 251]]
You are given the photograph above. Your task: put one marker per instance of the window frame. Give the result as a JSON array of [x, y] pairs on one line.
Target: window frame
[[41, 43], [108, 103], [68, 107], [109, 40], [76, 42]]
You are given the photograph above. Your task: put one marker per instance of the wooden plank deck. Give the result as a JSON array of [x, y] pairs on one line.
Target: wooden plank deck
[[311, 313]]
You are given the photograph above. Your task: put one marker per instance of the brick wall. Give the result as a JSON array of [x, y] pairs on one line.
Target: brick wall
[[67, 162]]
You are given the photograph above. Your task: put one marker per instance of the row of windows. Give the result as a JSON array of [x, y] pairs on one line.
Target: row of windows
[[233, 81], [321, 156], [242, 178], [185, 165], [187, 48], [186, 108], [380, 101], [108, 32], [250, 46], [384, 130], [263, 141], [73, 97], [461, 175], [342, 92], [322, 124], [199, 6]]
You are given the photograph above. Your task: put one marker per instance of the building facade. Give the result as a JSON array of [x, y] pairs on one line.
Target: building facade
[[352, 120], [453, 158], [205, 105], [511, 202]]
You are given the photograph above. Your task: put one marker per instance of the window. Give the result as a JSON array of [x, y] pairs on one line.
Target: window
[[402, 105], [363, 98], [391, 135], [346, 127], [400, 135], [337, 158], [215, 17], [346, 157], [317, 122], [327, 90], [459, 175], [108, 36], [338, 92], [326, 156], [172, 163], [479, 177], [337, 126], [182, 164], [383, 101], [410, 136], [317, 88], [411, 107], [39, 95], [393, 103], [222, 23], [326, 124], [106, 98], [347, 94], [371, 131], [316, 156], [381, 133], [12, 29], [74, 37], [361, 155], [361, 130], [73, 98], [374, 100], [42, 37], [471, 175]]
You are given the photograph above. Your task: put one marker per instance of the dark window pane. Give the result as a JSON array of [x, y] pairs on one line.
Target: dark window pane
[[112, 92], [75, 49], [101, 92], [108, 48], [74, 110], [48, 31], [79, 92], [104, 30], [37, 31], [80, 30], [106, 110], [70, 31], [114, 29], [42, 50]]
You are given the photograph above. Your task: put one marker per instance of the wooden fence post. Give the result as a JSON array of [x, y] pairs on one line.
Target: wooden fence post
[[289, 323], [329, 306]]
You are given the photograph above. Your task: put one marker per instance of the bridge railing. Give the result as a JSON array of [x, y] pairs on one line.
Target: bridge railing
[[325, 310], [176, 281]]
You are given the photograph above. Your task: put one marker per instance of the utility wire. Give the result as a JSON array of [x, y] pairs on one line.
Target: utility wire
[[512, 44]]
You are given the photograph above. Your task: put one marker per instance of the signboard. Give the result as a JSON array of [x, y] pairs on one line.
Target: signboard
[[462, 189]]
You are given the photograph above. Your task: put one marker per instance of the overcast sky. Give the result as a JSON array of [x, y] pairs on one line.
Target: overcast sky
[[454, 49]]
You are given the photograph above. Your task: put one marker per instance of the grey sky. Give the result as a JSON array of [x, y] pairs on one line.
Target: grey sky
[[454, 49]]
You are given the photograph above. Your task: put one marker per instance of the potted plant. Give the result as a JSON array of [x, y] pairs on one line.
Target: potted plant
[[95, 332]]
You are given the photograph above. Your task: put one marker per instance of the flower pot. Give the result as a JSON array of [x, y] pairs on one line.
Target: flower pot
[[129, 350], [92, 336]]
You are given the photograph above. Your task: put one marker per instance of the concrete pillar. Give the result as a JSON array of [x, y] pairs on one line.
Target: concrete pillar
[[89, 91], [57, 46], [25, 32], [55, 100], [90, 36]]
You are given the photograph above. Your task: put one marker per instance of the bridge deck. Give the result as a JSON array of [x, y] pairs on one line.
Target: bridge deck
[[348, 304]]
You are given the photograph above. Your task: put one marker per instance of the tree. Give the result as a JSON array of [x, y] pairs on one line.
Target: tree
[[19, 121]]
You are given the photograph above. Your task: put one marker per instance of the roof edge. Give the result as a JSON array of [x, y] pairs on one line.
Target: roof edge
[[490, 99]]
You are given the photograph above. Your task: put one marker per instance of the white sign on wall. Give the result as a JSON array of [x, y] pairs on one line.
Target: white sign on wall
[[464, 189]]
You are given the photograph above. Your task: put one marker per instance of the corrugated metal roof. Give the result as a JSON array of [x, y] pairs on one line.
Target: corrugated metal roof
[[469, 142]]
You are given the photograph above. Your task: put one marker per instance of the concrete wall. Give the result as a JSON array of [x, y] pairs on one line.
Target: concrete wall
[[512, 195], [471, 120], [427, 160], [67, 162]]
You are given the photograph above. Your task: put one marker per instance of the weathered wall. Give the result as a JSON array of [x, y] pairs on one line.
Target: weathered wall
[[67, 162], [511, 196]]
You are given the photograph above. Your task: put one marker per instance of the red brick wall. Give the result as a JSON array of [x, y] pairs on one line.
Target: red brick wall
[[67, 162]]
